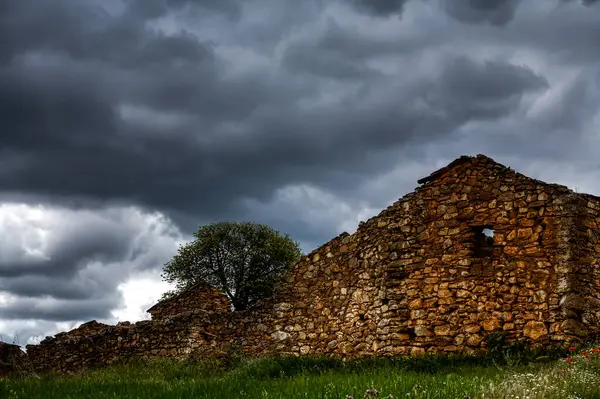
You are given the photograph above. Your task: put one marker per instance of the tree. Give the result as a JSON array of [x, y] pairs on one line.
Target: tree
[[244, 260]]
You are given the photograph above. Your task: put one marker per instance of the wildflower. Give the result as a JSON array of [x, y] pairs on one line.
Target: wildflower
[[572, 348], [569, 359], [371, 392], [585, 354]]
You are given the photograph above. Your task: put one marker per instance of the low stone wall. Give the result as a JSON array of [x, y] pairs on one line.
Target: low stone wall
[[95, 344]]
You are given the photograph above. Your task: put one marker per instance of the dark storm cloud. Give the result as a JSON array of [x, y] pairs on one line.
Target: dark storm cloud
[[578, 106], [495, 12], [380, 7], [568, 36], [70, 288], [150, 9], [354, 46], [66, 111], [92, 243], [341, 52], [76, 75], [326, 64], [34, 308], [484, 90]]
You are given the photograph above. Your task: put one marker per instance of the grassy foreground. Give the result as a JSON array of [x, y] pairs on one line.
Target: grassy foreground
[[575, 377]]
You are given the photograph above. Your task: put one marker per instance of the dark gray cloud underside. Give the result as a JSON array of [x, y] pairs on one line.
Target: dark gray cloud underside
[[72, 310], [380, 7], [79, 130], [152, 9], [495, 12], [485, 90]]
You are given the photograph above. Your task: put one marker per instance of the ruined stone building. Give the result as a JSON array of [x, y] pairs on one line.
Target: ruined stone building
[[477, 248]]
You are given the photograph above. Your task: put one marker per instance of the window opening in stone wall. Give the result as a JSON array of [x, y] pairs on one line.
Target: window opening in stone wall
[[484, 241]]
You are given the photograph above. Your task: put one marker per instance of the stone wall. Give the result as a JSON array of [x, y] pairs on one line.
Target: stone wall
[[458, 288], [420, 277], [95, 344]]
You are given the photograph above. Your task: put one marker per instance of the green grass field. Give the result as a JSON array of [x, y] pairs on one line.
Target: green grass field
[[325, 378]]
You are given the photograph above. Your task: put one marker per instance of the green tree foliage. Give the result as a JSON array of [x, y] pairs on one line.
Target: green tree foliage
[[243, 260]]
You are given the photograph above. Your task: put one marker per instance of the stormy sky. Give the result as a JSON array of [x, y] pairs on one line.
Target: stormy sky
[[126, 124]]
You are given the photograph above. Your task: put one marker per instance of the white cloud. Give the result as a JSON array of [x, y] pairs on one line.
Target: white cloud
[[139, 293], [36, 238]]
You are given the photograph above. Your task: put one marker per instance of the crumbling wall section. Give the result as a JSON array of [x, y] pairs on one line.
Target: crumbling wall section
[[95, 344]]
